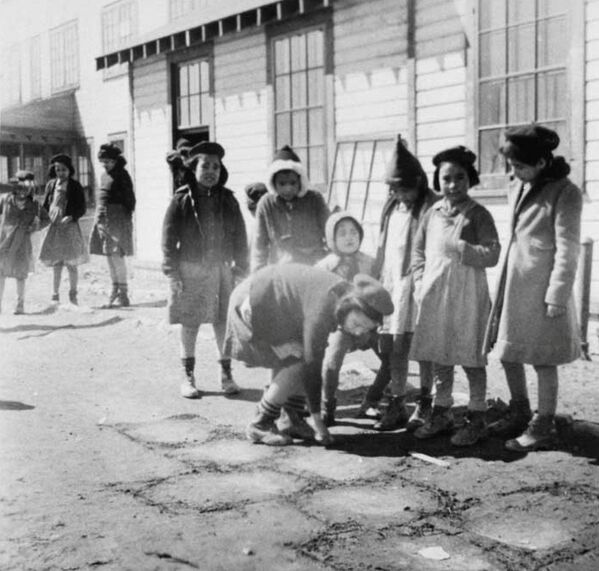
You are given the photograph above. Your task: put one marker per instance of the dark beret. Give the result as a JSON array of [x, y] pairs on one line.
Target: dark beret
[[207, 148], [109, 151], [459, 155], [533, 136]]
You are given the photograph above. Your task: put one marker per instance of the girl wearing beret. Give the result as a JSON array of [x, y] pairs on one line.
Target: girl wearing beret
[[63, 244], [112, 234], [204, 246], [533, 319], [455, 243], [20, 215]]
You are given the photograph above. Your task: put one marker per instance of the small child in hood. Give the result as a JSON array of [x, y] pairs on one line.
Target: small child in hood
[[20, 215], [344, 235], [291, 218], [254, 192]]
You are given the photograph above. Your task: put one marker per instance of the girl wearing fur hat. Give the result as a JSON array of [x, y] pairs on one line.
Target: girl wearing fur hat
[[291, 218], [63, 243], [533, 319], [409, 199], [204, 245], [112, 234], [20, 215], [455, 243], [280, 318]]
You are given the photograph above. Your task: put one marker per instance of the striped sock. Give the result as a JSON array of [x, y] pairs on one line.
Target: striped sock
[[268, 409], [296, 403]]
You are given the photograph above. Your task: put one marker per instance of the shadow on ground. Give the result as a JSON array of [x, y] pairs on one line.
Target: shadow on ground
[[47, 329], [14, 405]]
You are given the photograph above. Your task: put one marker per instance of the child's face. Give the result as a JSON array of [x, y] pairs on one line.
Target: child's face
[[358, 324], [454, 182], [405, 194], [524, 172], [23, 190], [62, 171], [108, 164], [208, 170], [287, 184], [347, 237]]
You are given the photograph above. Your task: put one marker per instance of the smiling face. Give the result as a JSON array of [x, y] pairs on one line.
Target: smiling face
[[454, 182], [287, 184], [347, 237], [526, 172], [208, 170], [62, 171]]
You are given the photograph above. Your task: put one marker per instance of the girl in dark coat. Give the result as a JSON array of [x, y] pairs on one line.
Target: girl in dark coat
[[63, 244], [204, 245], [112, 234]]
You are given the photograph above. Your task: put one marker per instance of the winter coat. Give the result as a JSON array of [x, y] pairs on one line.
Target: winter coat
[[75, 206], [112, 233], [539, 269], [183, 238]]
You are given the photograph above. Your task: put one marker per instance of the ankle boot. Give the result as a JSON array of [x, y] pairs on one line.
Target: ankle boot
[[263, 430], [228, 385], [294, 425], [114, 294], [19, 308], [439, 422], [540, 435], [122, 295], [514, 422], [474, 429], [328, 412], [396, 415], [73, 296], [422, 412]]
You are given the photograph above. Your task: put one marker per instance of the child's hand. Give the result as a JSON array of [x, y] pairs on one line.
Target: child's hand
[[555, 310]]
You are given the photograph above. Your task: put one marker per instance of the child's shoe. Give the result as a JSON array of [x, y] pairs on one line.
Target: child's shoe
[[55, 298], [19, 308], [422, 412], [440, 421], [123, 296], [369, 410], [73, 297], [396, 415], [188, 387], [473, 431], [292, 424], [264, 431], [328, 412], [540, 435], [114, 294], [228, 385], [514, 422]]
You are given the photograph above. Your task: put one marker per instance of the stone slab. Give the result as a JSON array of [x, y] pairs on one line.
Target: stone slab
[[227, 453], [182, 430]]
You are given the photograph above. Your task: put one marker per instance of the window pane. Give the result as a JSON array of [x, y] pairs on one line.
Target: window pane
[[519, 10], [382, 156], [194, 110], [552, 42], [299, 128], [551, 95], [298, 53], [362, 161], [378, 193], [492, 14], [283, 93], [315, 49], [194, 78], [355, 205], [338, 195], [492, 102], [183, 83], [184, 111], [205, 76], [283, 128], [521, 99], [316, 165], [316, 126], [315, 87], [298, 90], [551, 7], [204, 109], [343, 160], [491, 160], [282, 56], [521, 48], [492, 53]]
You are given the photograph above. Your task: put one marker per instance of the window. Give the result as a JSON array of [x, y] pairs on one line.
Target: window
[[35, 67], [119, 25], [193, 101], [84, 168], [523, 48], [299, 99], [358, 183], [11, 75], [64, 56], [180, 8]]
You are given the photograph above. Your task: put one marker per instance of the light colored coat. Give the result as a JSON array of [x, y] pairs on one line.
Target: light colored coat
[[539, 269]]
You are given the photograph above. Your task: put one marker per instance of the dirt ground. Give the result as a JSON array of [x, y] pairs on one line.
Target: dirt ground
[[105, 466]]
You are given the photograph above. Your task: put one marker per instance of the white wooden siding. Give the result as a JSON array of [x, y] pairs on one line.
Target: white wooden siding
[[152, 132]]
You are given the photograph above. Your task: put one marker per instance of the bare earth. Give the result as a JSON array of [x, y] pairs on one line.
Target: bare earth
[[105, 466]]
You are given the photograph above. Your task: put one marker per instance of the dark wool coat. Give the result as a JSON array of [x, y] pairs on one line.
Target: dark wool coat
[[539, 268], [75, 198], [112, 233], [289, 231], [423, 203], [183, 237]]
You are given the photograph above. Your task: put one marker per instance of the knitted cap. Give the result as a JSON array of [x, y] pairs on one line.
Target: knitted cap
[[331, 228], [109, 151], [286, 159], [372, 294], [207, 148], [403, 167], [62, 159], [286, 153], [460, 155]]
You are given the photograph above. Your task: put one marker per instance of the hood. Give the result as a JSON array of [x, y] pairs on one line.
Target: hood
[[287, 165], [331, 224]]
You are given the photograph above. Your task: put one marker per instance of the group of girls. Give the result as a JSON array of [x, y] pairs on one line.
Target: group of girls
[[62, 206]]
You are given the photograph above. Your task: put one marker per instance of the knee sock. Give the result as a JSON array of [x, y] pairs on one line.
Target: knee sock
[[57, 277], [516, 380], [296, 403], [189, 364], [268, 409], [73, 278], [477, 380], [548, 388]]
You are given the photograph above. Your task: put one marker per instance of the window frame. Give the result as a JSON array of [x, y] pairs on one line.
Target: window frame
[[35, 67], [493, 185], [64, 61], [120, 42], [12, 75]]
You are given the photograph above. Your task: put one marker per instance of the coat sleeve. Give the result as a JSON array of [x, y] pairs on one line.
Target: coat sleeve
[[78, 198], [171, 237], [484, 254], [128, 195], [240, 242], [47, 192], [261, 241], [43, 217], [567, 215], [418, 248], [323, 213]]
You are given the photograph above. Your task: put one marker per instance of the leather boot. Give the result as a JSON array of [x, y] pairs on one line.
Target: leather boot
[[514, 422], [396, 415]]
